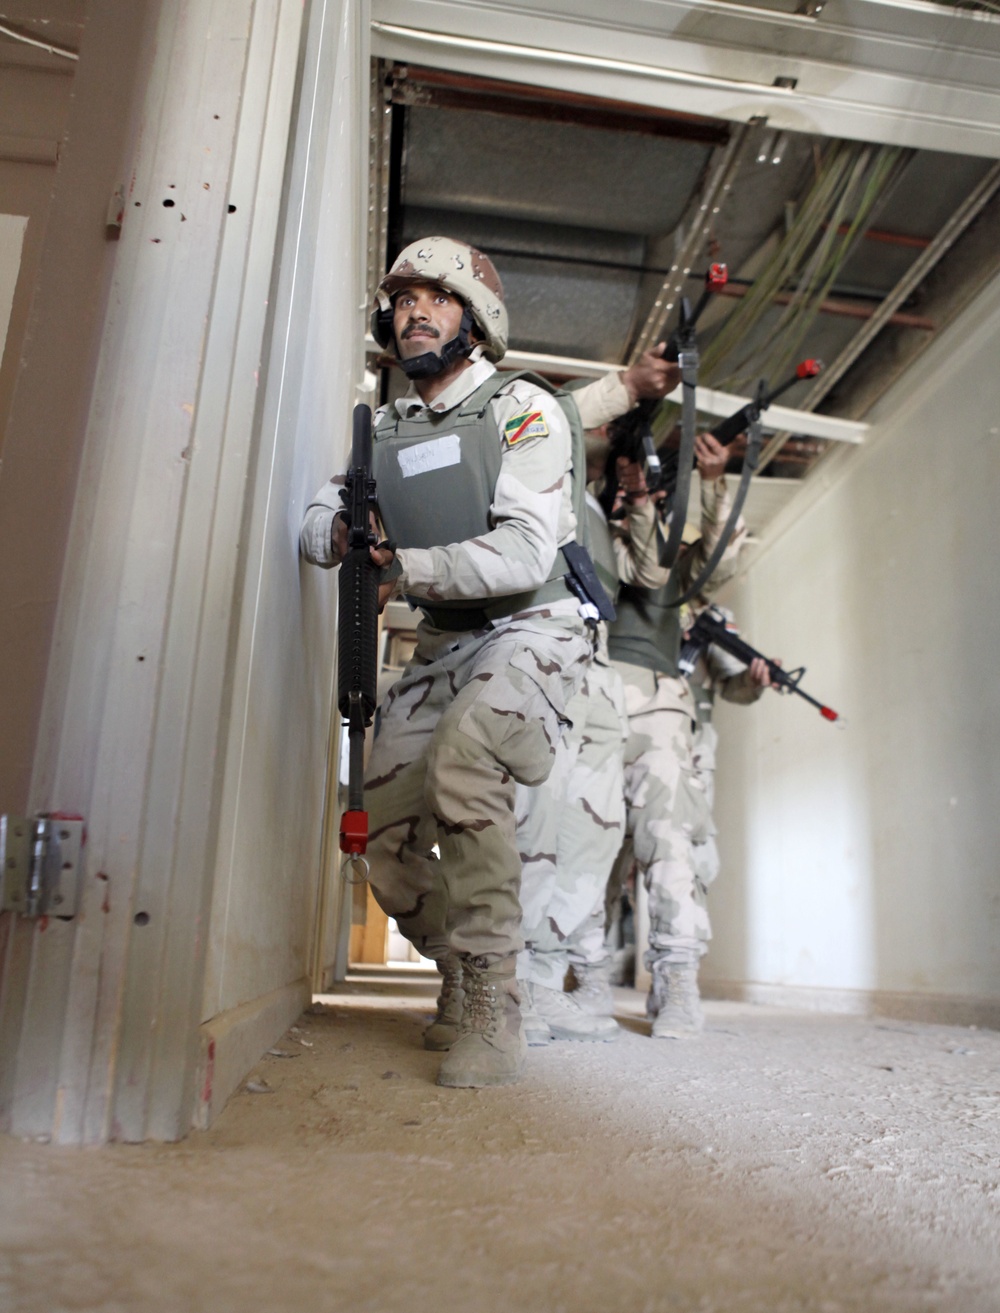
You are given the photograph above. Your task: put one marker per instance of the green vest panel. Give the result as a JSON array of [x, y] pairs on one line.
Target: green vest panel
[[647, 631], [436, 474], [601, 548]]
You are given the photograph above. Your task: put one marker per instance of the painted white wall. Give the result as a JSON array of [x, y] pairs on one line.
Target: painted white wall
[[270, 857], [188, 685], [867, 860]]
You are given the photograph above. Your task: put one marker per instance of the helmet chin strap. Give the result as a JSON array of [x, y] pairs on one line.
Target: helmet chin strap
[[433, 362]]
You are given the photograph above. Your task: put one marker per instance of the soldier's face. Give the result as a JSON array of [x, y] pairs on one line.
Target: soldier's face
[[424, 317]]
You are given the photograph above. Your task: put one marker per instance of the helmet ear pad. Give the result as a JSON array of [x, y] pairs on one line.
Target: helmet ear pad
[[384, 330]]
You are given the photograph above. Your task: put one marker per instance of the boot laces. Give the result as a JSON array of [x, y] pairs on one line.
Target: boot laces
[[481, 1010], [451, 980]]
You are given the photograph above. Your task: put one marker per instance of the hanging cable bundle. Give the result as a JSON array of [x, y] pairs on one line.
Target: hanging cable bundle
[[853, 178]]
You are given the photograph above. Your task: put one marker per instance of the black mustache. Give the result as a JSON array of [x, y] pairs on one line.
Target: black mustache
[[423, 328]]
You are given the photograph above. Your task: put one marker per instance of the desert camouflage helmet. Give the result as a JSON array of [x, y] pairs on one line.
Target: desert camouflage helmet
[[460, 269]]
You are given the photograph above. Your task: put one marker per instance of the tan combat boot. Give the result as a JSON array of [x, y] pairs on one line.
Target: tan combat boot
[[593, 987], [536, 1028], [442, 1033], [491, 1048], [674, 1002], [568, 1020]]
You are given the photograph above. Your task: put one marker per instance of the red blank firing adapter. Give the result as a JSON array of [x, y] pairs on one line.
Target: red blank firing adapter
[[354, 833], [717, 277], [809, 368]]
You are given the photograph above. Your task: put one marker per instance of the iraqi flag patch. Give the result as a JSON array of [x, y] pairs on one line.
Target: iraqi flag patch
[[529, 424]]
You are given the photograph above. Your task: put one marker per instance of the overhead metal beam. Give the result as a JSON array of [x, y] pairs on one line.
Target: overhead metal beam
[[836, 306], [710, 402], [923, 76]]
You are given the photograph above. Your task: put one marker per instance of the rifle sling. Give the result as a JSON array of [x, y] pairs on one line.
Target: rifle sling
[[685, 458], [749, 466]]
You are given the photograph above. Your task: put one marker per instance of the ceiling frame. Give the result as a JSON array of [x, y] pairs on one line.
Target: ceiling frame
[[925, 77]]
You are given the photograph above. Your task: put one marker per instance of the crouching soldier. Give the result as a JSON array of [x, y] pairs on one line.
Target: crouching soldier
[[473, 469]]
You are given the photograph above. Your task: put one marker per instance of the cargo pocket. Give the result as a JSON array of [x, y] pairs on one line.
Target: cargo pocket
[[692, 812], [517, 714]]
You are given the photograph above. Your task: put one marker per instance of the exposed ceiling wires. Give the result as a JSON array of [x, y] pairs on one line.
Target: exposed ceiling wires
[[852, 179]]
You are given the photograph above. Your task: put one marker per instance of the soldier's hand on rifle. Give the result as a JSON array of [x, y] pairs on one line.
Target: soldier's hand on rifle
[[651, 376], [760, 676], [631, 481], [339, 538], [710, 456], [340, 531], [383, 555]]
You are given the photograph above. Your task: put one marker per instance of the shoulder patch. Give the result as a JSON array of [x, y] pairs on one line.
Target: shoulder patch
[[529, 424]]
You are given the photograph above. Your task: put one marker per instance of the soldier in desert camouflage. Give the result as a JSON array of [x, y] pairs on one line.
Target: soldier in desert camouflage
[[474, 480], [716, 672], [667, 810], [571, 828]]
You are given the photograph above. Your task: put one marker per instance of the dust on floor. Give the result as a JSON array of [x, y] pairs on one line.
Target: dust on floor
[[782, 1162]]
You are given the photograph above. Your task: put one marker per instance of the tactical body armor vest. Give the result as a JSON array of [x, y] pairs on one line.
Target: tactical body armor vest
[[457, 455], [647, 632], [601, 548]]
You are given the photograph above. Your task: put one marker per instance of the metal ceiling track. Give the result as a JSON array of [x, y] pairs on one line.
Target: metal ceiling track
[[719, 181], [912, 75], [541, 55], [379, 150], [710, 402], [977, 199]]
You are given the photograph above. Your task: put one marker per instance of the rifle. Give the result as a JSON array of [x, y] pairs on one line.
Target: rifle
[[632, 434], [729, 429], [711, 627], [358, 633]]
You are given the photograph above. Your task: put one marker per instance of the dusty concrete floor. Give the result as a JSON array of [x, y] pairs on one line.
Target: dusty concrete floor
[[782, 1162]]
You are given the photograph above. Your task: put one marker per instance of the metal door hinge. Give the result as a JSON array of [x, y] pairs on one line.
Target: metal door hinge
[[40, 864]]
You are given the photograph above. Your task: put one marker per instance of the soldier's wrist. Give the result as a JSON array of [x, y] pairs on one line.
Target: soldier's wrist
[[391, 572]]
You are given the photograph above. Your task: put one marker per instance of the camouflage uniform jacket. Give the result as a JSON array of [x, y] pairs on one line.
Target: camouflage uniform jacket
[[531, 510]]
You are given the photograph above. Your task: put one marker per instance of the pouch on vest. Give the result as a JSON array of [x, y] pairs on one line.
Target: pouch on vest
[[583, 581]]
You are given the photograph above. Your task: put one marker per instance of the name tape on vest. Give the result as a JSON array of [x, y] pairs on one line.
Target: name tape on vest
[[436, 454]]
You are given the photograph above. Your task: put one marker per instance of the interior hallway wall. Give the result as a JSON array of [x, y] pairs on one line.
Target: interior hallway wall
[[186, 658], [860, 867], [270, 854]]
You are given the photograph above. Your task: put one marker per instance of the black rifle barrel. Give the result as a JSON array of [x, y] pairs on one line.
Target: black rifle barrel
[[357, 672], [729, 429], [710, 627]]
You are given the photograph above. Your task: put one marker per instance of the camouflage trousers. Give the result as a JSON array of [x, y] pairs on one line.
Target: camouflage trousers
[[569, 831], [705, 854], [667, 813], [472, 715]]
